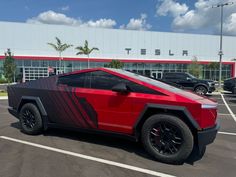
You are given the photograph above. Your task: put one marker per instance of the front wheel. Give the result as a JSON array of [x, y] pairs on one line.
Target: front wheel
[[201, 90], [167, 138], [30, 119]]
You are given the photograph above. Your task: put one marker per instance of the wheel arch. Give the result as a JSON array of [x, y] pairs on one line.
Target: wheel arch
[[38, 103], [179, 111], [201, 84]]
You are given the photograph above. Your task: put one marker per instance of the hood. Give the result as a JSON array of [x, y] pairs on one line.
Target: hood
[[200, 99]]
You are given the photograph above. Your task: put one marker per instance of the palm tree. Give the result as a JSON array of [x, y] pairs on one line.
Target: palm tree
[[85, 50], [59, 47]]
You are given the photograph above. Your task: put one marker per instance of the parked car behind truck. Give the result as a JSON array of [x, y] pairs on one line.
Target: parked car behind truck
[[230, 85], [167, 120], [188, 81]]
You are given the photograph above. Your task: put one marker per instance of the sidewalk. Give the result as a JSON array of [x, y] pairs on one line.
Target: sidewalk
[[215, 93]]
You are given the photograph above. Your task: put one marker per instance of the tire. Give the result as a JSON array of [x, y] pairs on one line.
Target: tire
[[201, 90], [157, 138], [30, 119]]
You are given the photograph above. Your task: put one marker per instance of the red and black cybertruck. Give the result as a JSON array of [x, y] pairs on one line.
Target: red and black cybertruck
[[167, 120]]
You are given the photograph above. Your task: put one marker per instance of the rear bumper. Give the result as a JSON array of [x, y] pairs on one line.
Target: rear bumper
[[207, 136], [230, 88], [226, 88], [13, 112], [234, 90]]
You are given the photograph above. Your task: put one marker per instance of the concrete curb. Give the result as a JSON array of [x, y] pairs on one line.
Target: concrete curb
[[215, 93], [3, 97]]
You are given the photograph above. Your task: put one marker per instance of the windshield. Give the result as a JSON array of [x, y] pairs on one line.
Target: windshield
[[148, 80], [191, 76]]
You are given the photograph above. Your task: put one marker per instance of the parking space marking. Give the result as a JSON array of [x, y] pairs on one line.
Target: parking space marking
[[223, 114], [227, 106], [100, 160], [227, 133]]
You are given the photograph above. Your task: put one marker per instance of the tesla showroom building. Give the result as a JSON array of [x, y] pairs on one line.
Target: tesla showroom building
[[144, 52]]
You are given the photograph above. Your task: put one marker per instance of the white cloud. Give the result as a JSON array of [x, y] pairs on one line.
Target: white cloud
[[230, 24], [172, 7], [102, 23], [65, 8], [51, 17], [201, 17], [137, 24]]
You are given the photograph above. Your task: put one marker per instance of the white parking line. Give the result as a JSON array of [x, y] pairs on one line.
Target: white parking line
[[100, 160], [227, 133], [227, 106], [223, 114]]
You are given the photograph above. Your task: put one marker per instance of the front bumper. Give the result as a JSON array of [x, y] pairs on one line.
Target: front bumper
[[207, 136], [211, 89]]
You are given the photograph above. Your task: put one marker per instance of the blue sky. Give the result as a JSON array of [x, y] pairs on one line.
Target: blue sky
[[155, 15]]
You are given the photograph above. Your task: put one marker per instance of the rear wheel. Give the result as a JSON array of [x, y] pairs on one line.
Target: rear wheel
[[201, 90], [167, 138], [30, 119]]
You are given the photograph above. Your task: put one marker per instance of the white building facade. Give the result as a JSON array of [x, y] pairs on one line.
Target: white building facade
[[144, 52]]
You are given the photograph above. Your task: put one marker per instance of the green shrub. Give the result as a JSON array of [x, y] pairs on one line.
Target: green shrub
[[3, 81]]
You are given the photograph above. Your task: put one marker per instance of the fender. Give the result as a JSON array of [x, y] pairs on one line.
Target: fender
[[40, 106], [182, 109]]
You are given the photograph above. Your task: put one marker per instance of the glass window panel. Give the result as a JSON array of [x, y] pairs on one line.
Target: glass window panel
[[27, 62]]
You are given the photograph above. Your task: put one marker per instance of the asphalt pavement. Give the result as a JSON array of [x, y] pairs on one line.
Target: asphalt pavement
[[60, 153]]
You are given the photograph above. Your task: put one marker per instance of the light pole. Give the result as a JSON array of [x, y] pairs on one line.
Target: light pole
[[221, 35]]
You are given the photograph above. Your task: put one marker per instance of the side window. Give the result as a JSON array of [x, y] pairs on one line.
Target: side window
[[183, 76], [170, 76], [140, 89], [105, 81], [74, 80]]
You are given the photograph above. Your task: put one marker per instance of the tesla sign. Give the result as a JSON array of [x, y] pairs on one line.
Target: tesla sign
[[156, 52]]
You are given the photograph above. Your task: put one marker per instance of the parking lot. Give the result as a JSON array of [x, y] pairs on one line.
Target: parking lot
[[60, 153]]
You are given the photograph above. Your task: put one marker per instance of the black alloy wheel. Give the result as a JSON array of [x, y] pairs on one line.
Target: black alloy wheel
[[30, 119], [201, 90], [166, 138]]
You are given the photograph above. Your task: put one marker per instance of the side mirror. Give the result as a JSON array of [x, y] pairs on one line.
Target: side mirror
[[121, 88], [189, 79]]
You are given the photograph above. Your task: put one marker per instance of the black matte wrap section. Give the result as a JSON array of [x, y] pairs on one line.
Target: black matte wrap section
[[207, 136]]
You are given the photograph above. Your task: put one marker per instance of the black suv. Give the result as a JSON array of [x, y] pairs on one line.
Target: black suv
[[190, 82], [230, 85]]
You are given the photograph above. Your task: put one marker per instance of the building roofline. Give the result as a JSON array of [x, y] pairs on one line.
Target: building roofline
[[116, 29]]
